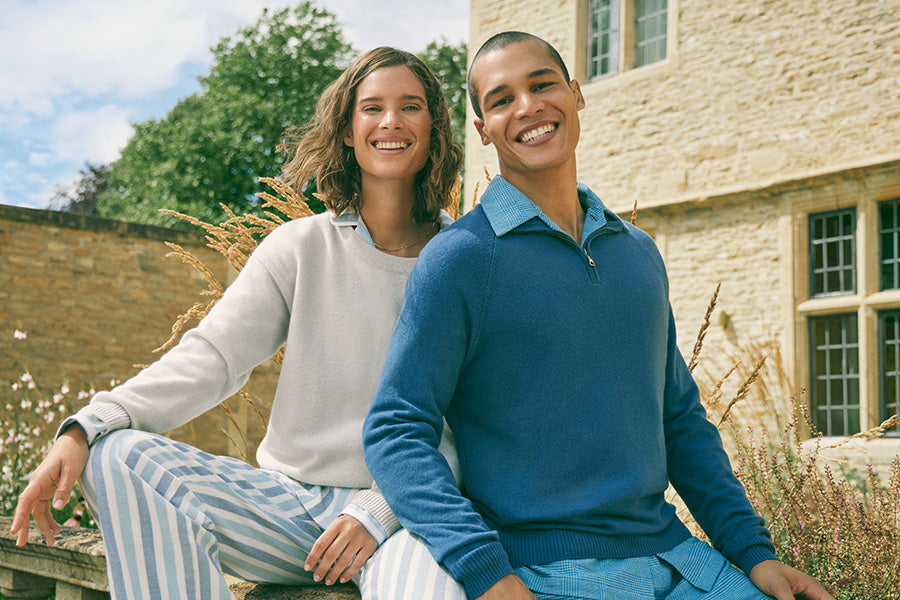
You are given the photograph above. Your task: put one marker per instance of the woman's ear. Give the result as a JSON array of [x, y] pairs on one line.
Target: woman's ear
[[348, 136]]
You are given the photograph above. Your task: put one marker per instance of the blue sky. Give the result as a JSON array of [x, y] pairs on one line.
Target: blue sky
[[74, 74]]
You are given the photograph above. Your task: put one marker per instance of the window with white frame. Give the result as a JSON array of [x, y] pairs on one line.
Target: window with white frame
[[835, 351], [625, 34]]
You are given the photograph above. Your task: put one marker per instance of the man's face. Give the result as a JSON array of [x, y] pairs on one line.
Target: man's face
[[530, 110]]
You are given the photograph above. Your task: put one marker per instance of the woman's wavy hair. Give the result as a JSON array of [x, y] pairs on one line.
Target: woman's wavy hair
[[318, 150]]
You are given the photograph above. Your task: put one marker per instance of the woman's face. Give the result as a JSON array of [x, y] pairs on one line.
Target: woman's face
[[390, 126]]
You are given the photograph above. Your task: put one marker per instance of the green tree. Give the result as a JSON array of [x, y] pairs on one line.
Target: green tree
[[214, 145], [448, 62], [81, 195]]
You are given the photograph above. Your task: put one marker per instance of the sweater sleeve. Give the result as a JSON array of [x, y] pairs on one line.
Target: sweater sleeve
[[211, 362], [436, 328], [701, 472]]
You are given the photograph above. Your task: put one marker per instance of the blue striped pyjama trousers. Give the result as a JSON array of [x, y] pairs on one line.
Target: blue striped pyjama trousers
[[174, 519]]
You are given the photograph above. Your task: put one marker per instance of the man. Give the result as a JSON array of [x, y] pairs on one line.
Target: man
[[540, 325]]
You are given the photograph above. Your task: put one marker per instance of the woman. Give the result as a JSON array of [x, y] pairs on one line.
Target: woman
[[328, 288]]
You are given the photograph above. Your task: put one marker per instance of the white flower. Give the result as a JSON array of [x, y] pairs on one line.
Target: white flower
[[26, 376], [20, 335], [82, 395], [26, 404], [31, 385], [15, 386], [65, 388], [57, 398]]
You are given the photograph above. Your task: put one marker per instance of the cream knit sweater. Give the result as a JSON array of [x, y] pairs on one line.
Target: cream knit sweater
[[332, 300]]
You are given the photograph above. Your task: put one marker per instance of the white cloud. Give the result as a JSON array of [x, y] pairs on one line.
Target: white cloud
[[39, 159], [121, 47], [94, 135], [405, 24]]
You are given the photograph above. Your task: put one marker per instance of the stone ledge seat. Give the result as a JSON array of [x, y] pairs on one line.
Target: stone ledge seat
[[75, 569]]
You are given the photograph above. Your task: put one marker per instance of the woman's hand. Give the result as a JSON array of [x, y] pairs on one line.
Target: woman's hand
[[52, 480], [341, 551]]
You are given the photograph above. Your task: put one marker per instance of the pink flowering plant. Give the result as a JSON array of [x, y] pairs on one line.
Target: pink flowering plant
[[28, 422]]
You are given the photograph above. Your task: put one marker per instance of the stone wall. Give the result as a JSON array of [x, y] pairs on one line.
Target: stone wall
[[754, 91], [97, 297]]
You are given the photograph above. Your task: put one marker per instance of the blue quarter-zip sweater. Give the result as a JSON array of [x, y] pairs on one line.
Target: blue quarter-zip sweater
[[557, 369]]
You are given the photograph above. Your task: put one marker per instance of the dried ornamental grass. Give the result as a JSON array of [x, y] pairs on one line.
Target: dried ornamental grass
[[235, 239], [840, 527]]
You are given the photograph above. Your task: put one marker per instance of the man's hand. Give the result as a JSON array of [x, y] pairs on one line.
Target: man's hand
[[52, 480], [785, 583], [508, 588], [341, 550]]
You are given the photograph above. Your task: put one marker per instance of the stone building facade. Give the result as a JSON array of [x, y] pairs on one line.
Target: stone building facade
[[95, 298], [761, 142]]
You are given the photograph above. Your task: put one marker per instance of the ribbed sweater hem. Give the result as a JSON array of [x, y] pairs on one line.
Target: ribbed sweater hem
[[540, 547]]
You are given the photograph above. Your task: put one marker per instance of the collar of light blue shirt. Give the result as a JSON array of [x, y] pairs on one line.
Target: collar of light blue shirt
[[506, 208]]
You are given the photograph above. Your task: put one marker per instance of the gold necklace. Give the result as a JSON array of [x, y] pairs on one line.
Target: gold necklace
[[404, 247]]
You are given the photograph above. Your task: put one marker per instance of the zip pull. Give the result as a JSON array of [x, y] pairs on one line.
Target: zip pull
[[590, 260]]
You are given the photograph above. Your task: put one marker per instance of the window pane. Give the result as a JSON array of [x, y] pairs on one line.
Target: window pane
[[836, 423], [650, 32], [818, 228], [889, 231], [852, 366], [834, 352], [603, 38], [887, 210], [853, 421], [818, 328], [847, 224], [889, 341], [832, 255], [832, 252], [818, 257], [887, 247], [888, 281]]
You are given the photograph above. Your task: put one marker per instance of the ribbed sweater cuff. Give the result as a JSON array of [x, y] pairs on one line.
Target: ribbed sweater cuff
[[479, 569], [373, 502], [754, 555], [97, 419]]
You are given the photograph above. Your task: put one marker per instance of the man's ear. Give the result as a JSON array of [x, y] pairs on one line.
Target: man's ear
[[479, 127], [579, 97]]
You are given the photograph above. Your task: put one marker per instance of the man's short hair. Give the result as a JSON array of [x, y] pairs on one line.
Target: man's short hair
[[501, 40]]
